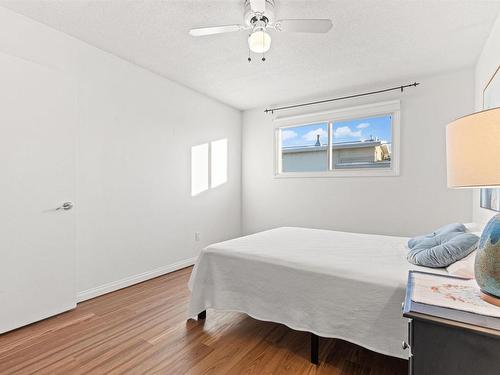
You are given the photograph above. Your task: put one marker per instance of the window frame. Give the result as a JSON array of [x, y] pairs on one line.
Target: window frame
[[392, 108]]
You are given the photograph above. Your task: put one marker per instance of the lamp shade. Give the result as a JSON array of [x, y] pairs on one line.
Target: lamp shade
[[473, 150]]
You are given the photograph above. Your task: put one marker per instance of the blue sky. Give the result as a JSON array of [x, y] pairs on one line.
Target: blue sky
[[344, 131]]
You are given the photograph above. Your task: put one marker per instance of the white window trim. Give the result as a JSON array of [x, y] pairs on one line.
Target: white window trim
[[369, 110]]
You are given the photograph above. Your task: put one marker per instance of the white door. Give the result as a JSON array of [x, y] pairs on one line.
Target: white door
[[37, 174]]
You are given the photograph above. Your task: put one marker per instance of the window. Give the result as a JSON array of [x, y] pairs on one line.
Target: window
[[360, 141], [304, 148]]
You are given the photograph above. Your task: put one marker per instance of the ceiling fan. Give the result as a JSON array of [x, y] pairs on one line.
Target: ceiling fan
[[259, 19]]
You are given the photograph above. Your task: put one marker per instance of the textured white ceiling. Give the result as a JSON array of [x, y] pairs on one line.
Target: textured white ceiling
[[371, 41]]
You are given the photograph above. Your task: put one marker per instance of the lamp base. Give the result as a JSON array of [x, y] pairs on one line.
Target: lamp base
[[490, 299], [487, 262]]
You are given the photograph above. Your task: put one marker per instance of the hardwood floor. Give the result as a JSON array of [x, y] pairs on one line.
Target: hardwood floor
[[143, 329]]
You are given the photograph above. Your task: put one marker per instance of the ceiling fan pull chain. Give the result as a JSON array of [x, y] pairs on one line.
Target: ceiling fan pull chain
[[263, 52]]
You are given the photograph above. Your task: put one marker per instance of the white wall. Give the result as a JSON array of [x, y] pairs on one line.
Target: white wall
[[415, 202], [135, 214], [488, 62]]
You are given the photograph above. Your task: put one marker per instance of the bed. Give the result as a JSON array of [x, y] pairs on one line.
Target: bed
[[333, 284]]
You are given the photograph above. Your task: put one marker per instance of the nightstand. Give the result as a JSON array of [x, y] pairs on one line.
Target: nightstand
[[448, 341]]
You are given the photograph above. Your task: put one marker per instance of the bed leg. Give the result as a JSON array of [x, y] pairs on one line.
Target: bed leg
[[202, 315], [314, 348]]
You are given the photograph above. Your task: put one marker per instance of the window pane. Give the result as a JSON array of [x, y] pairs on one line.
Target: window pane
[[218, 154], [199, 168], [362, 143], [304, 148]]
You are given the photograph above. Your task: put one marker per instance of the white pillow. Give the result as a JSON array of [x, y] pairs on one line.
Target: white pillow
[[464, 267], [473, 227]]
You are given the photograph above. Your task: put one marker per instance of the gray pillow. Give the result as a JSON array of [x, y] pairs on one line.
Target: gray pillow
[[455, 227], [443, 249]]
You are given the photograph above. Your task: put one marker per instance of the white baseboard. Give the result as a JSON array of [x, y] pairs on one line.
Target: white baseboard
[[131, 280]]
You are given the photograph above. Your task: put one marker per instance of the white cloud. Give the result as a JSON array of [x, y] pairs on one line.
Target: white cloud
[[312, 135], [363, 125], [346, 132], [288, 134]]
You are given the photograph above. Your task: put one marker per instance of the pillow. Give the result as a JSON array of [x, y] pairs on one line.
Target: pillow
[[464, 267], [473, 227], [456, 227], [443, 249]]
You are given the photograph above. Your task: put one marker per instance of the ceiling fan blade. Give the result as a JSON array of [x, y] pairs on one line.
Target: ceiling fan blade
[[258, 5], [304, 26], [202, 31]]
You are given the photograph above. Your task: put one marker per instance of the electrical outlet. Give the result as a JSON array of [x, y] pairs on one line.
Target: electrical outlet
[[196, 236]]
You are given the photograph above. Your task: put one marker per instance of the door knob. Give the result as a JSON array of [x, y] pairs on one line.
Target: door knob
[[65, 206]]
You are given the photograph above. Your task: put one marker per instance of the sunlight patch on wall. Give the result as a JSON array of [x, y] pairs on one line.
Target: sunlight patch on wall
[[208, 165], [199, 168], [218, 162]]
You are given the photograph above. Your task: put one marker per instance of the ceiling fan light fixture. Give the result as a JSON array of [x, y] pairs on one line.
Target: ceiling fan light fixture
[[259, 41]]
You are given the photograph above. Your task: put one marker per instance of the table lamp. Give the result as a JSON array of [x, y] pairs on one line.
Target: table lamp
[[473, 161]]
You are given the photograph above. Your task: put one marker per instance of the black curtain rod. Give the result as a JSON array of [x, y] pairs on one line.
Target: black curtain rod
[[402, 87]]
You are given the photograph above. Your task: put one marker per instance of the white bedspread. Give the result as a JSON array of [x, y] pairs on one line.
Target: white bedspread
[[335, 284]]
